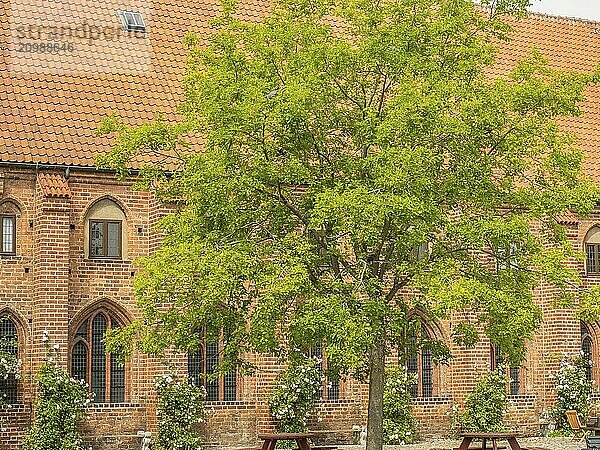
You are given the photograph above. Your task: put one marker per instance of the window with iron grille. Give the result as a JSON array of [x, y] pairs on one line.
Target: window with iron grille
[[105, 238], [419, 363], [587, 350], [90, 362], [331, 386], [513, 373], [9, 344], [202, 363]]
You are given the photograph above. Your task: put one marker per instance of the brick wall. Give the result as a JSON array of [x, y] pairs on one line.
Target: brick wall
[[51, 285]]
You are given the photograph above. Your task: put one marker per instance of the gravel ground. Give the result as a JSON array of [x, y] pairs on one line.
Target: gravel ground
[[449, 444]]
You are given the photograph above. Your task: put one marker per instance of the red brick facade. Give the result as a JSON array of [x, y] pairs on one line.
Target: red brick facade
[[51, 284]]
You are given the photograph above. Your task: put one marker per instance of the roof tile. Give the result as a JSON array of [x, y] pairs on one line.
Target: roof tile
[[52, 102], [54, 185]]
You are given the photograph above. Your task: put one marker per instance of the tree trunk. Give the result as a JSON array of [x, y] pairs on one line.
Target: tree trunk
[[376, 388]]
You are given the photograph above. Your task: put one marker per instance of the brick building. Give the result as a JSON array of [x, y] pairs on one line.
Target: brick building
[[69, 233]]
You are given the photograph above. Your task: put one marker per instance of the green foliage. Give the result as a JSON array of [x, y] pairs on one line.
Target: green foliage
[[573, 390], [60, 405], [486, 405], [399, 423], [180, 408], [338, 137], [295, 392]]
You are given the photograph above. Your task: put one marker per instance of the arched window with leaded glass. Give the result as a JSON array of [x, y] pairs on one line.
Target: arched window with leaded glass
[[587, 349], [418, 360], [202, 365], [9, 344], [90, 362], [513, 373]]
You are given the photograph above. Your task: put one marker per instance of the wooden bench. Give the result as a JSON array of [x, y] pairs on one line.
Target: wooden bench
[[487, 447], [534, 448]]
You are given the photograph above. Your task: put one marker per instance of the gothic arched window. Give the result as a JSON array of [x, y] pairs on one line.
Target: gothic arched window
[[9, 343], [514, 373], [419, 362], [587, 347], [202, 363], [90, 362]]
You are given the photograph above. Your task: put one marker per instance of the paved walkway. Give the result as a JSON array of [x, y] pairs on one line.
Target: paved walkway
[[448, 444]]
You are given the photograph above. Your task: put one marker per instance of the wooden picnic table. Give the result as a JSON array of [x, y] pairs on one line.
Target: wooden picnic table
[[270, 440], [511, 438]]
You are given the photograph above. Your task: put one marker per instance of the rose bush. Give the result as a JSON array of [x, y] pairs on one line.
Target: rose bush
[[399, 424], [296, 389], [60, 405], [180, 408], [486, 405], [573, 390]]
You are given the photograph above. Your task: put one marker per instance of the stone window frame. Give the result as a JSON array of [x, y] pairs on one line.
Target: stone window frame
[[113, 319], [227, 386], [515, 374]]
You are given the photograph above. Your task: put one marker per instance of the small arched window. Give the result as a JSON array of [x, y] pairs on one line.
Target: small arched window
[[419, 362], [89, 361], [202, 363], [592, 250], [105, 231], [9, 212], [9, 343], [587, 348]]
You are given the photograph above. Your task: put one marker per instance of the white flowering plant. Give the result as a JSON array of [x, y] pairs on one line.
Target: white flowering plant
[[573, 390], [180, 408], [10, 366], [294, 397], [60, 406], [486, 406], [399, 423]]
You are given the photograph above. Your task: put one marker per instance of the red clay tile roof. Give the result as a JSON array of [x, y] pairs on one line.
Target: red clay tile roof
[[51, 103], [54, 185]]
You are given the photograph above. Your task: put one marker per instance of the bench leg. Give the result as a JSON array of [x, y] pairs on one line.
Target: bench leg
[[514, 444], [465, 444]]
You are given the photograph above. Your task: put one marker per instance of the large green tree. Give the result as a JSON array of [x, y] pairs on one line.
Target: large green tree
[[359, 172]]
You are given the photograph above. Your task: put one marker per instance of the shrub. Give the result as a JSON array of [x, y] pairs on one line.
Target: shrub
[[180, 407], [399, 424], [573, 390], [486, 405], [60, 405], [293, 399]]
